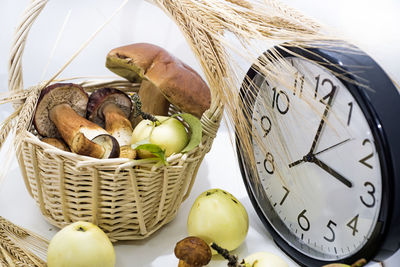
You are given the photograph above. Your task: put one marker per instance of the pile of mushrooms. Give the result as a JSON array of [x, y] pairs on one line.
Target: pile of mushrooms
[[111, 109], [101, 125], [60, 114]]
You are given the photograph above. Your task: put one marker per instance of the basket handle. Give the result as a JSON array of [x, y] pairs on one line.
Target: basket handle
[[15, 81], [15, 75]]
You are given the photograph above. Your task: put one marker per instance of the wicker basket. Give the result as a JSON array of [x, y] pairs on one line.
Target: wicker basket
[[128, 199]]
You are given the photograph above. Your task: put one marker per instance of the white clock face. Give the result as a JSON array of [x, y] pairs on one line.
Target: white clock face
[[322, 177]]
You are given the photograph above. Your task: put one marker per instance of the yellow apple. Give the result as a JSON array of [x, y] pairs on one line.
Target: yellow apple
[[264, 259], [217, 216], [170, 135], [80, 244]]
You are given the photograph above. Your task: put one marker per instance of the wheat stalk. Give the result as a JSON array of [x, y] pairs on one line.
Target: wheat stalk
[[206, 24], [19, 246]]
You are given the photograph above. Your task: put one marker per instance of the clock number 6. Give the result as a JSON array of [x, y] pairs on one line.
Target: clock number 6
[[303, 222]]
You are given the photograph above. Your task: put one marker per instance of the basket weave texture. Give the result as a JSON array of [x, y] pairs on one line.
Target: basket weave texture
[[128, 199]]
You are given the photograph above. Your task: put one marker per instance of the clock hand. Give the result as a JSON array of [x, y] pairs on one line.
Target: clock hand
[[324, 117], [331, 171], [296, 162], [307, 157], [335, 145]]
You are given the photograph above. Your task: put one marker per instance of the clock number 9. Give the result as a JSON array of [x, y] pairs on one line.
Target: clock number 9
[[275, 100], [270, 168], [303, 222], [267, 126]]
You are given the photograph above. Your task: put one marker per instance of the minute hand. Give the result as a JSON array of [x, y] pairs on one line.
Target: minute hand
[[324, 117]]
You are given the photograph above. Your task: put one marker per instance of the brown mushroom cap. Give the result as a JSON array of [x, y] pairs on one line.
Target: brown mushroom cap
[[179, 83], [59, 93], [193, 250], [100, 97]]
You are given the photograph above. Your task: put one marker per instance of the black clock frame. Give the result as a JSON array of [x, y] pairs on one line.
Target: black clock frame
[[379, 101]]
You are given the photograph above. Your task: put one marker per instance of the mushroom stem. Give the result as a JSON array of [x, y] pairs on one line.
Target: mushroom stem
[[117, 124], [233, 260], [138, 109], [72, 128], [153, 101], [182, 263], [84, 146]]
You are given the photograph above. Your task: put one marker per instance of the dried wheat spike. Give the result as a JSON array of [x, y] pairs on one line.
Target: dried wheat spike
[[241, 3], [12, 228]]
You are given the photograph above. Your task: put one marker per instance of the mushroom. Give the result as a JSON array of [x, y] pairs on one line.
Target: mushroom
[[192, 252], [59, 112], [153, 101], [180, 84], [58, 143], [111, 108]]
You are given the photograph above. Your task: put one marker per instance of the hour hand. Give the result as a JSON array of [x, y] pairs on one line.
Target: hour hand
[[332, 172]]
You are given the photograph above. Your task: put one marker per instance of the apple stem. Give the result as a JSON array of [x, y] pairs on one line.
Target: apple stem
[[80, 228], [233, 260], [138, 109]]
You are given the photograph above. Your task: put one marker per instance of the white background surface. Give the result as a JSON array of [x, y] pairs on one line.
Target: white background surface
[[373, 25]]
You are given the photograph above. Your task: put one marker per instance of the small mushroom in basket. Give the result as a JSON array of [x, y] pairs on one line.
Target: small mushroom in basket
[[180, 84], [111, 108], [192, 252], [58, 143], [60, 111]]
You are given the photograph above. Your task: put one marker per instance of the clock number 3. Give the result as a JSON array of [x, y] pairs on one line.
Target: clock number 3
[[371, 192]]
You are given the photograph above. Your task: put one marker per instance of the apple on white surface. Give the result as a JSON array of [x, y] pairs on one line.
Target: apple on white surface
[[217, 216], [170, 135], [264, 259], [80, 244]]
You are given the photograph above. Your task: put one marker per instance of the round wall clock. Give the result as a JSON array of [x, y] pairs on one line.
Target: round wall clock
[[323, 168]]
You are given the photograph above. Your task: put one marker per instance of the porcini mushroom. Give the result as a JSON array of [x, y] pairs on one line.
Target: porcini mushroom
[[60, 111], [192, 252], [179, 83], [111, 107]]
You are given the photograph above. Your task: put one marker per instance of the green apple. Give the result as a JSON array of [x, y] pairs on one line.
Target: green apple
[[170, 135], [264, 259], [80, 244], [217, 216]]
